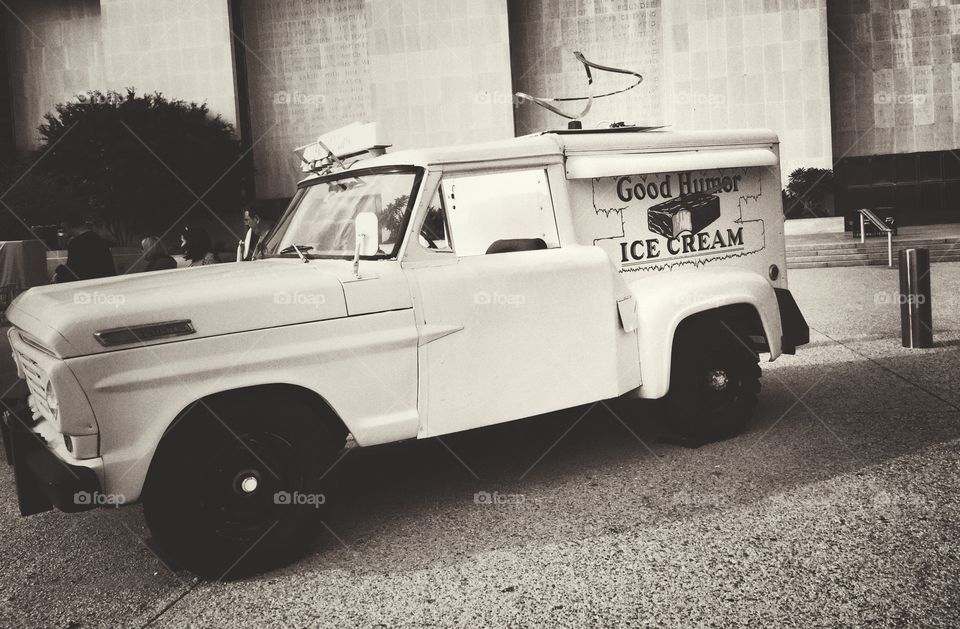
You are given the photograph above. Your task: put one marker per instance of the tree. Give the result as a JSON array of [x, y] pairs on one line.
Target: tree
[[391, 218], [807, 192], [143, 161], [34, 200]]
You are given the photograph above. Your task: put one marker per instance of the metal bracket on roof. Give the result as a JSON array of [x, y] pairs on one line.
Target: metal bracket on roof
[[546, 102]]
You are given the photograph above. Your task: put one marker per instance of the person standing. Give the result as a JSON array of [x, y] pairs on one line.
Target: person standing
[[88, 255], [259, 221]]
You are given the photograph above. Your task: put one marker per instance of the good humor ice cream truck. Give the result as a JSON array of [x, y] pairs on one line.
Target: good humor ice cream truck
[[403, 296]]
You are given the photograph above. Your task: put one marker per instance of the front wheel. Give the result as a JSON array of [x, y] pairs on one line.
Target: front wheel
[[714, 383], [233, 487]]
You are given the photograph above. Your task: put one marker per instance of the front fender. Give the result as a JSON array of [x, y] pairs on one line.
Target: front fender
[[364, 367], [666, 299]]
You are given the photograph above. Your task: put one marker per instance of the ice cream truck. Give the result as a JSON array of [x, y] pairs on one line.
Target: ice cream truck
[[406, 295]]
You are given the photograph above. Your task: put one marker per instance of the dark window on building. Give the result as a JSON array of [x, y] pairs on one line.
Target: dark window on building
[[906, 168], [930, 167], [951, 166], [883, 169], [916, 188]]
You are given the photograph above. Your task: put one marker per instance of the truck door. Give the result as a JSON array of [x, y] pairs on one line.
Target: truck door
[[512, 324]]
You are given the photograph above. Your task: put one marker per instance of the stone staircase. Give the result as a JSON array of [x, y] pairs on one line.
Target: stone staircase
[[846, 250]]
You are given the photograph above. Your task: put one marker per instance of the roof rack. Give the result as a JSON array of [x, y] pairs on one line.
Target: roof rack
[[610, 129]]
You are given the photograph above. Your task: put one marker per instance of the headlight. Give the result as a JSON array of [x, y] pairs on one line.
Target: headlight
[[52, 401], [16, 361]]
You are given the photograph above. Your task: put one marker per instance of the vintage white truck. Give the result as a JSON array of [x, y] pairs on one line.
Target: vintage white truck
[[405, 296]]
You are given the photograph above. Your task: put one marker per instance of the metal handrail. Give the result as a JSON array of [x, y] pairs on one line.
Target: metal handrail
[[879, 224]]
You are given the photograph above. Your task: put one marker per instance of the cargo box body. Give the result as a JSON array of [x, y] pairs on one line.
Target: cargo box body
[[690, 216]]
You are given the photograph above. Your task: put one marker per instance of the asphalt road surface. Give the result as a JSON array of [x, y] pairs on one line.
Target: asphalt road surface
[[839, 507]]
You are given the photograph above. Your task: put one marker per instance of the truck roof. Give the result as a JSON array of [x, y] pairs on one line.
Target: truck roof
[[572, 142]]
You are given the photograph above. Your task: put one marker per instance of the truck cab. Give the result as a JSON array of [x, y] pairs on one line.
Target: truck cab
[[405, 296]]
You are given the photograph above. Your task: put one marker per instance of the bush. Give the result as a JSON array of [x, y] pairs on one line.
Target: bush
[[35, 197], [807, 192], [142, 161]]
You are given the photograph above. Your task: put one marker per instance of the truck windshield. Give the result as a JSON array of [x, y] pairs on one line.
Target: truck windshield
[[320, 221]]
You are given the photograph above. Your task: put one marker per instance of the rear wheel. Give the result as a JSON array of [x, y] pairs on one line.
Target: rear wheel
[[714, 383], [234, 487]]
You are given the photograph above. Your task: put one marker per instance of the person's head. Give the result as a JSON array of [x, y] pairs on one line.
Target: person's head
[[153, 248], [74, 224], [196, 242], [259, 218]]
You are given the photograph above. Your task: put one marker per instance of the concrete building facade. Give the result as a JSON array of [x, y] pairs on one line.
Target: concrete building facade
[[895, 78], [866, 86]]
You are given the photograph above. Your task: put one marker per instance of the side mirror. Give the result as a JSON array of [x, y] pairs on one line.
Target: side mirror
[[367, 231]]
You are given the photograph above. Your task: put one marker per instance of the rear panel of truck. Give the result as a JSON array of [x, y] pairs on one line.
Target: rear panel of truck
[[653, 222]]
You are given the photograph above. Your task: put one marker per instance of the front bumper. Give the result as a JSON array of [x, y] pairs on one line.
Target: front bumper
[[43, 480], [796, 332]]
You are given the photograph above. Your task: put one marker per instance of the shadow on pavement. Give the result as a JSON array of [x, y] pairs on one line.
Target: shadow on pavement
[[584, 472]]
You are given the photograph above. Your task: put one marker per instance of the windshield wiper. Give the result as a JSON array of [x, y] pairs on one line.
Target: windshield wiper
[[299, 249]]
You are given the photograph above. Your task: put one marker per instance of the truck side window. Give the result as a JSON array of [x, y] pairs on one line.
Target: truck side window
[[435, 232], [500, 212]]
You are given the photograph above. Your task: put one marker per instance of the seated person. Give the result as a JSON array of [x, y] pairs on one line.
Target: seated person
[[88, 255], [155, 255]]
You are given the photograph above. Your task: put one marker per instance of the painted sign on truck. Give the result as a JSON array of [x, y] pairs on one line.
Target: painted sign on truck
[[660, 221]]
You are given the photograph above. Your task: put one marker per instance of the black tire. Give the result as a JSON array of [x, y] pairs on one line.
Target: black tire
[[714, 383], [229, 490]]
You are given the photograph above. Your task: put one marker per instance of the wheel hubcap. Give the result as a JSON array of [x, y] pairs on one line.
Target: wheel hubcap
[[718, 380], [244, 480], [249, 483]]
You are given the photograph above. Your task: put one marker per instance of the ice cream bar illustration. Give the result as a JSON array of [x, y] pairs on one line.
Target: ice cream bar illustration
[[688, 212]]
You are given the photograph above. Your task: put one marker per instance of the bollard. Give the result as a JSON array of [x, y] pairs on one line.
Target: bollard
[[916, 315]]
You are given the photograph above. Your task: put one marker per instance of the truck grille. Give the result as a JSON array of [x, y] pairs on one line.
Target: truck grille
[[36, 383]]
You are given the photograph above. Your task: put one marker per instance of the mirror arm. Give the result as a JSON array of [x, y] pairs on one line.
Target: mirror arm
[[361, 243]]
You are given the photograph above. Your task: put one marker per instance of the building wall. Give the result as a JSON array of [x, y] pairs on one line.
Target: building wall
[[444, 71], [54, 52], [718, 64], [428, 71], [307, 72], [59, 49], [440, 70], [752, 63], [6, 98], [895, 76], [177, 47]]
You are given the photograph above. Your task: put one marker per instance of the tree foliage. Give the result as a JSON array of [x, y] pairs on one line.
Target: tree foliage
[[807, 191], [143, 161], [33, 197]]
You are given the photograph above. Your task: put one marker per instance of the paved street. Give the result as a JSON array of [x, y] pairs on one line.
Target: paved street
[[838, 507]]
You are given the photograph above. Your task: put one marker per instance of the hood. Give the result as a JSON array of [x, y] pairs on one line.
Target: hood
[[216, 299]]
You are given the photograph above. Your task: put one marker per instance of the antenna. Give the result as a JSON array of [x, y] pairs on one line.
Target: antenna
[[575, 118]]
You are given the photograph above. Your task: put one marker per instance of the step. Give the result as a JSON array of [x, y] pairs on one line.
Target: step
[[814, 264], [879, 243], [934, 257], [793, 240], [836, 250], [866, 251], [836, 258]]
